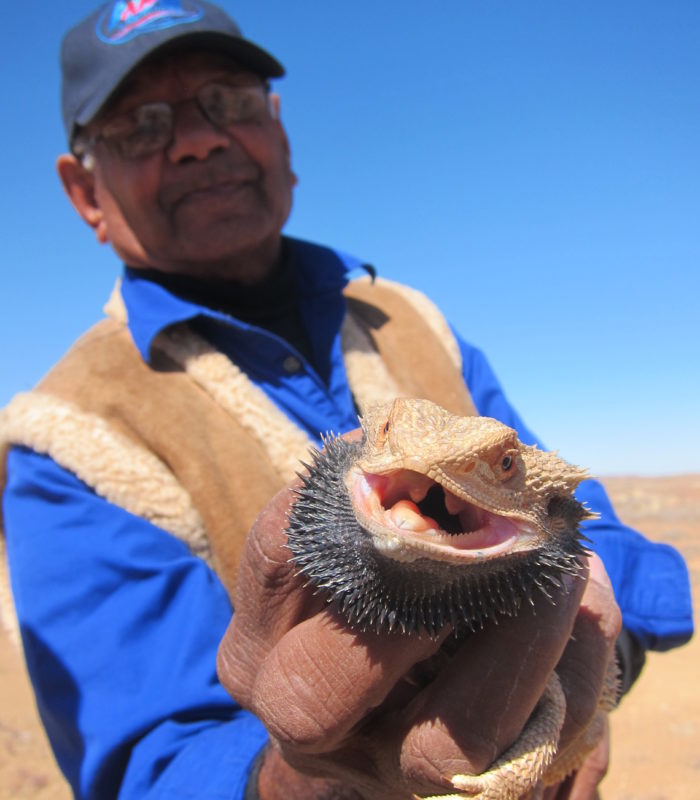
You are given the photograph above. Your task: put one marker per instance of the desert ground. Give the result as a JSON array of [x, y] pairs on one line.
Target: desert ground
[[655, 731]]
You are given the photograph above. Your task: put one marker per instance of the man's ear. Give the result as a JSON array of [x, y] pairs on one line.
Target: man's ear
[[79, 185]]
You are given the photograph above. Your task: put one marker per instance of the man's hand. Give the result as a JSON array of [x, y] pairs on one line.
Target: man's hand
[[582, 670], [345, 715]]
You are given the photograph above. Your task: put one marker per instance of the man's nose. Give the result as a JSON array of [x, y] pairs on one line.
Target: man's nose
[[194, 136]]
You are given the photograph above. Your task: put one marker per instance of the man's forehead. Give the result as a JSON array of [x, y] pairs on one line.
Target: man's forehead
[[164, 69]]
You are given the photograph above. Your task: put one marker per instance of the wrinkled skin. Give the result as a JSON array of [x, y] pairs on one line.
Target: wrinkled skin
[[336, 703]]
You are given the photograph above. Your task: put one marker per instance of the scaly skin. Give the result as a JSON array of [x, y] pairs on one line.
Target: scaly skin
[[435, 519]]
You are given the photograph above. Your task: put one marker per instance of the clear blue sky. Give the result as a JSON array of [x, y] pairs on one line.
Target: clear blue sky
[[533, 166]]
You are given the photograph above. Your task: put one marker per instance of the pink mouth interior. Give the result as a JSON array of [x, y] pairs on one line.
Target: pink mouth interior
[[408, 503]]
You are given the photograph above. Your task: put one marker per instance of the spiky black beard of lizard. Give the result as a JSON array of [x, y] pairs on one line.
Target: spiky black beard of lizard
[[373, 591]]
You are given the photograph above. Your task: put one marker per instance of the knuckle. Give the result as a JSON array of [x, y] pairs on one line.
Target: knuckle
[[236, 683], [614, 624], [297, 704]]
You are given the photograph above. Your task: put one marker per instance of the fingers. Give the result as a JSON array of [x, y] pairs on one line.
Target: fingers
[[470, 713], [587, 673], [584, 664], [267, 600], [322, 678], [477, 706], [326, 692], [288, 658]]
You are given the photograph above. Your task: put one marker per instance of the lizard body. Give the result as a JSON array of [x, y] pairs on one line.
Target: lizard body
[[434, 520]]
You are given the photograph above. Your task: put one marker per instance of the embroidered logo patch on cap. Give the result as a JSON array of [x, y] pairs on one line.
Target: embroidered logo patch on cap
[[124, 20]]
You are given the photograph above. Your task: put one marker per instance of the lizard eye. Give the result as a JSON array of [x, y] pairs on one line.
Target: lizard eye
[[383, 431], [507, 465]]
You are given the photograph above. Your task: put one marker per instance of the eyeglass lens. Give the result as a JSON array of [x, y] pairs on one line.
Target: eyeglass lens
[[149, 127]]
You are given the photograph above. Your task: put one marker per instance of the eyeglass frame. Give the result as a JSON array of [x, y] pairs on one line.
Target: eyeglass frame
[[83, 146]]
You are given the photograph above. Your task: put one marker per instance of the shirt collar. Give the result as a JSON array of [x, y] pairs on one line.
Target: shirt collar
[[151, 308]]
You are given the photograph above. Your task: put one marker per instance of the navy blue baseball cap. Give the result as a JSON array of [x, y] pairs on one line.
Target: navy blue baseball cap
[[101, 51]]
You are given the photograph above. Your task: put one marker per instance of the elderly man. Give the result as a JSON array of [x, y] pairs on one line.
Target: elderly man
[[137, 467]]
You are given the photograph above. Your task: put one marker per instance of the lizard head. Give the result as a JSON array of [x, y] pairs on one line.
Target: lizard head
[[434, 518], [429, 484]]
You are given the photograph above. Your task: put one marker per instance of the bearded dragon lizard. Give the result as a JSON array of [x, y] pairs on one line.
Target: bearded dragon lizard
[[435, 520]]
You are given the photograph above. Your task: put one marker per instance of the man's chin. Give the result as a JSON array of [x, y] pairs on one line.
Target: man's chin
[[226, 250]]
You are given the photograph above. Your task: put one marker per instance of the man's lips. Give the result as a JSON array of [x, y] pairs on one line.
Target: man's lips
[[213, 186]]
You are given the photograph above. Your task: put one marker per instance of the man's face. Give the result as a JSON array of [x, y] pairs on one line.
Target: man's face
[[213, 201]]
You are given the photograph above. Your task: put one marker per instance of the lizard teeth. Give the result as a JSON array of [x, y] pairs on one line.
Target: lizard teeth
[[399, 486], [418, 490], [453, 504]]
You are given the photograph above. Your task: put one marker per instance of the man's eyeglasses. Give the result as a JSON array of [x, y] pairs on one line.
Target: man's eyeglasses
[[148, 128]]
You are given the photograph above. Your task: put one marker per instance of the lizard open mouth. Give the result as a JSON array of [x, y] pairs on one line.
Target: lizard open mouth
[[410, 515]]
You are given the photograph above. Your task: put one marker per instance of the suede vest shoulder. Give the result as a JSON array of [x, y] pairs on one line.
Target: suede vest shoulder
[[188, 442]]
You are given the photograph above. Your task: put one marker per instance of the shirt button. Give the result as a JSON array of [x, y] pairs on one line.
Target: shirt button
[[291, 364]]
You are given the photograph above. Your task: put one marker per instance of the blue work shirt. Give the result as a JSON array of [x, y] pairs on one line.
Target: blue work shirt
[[121, 624]]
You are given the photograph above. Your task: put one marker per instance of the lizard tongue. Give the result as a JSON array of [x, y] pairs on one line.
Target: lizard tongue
[[406, 516]]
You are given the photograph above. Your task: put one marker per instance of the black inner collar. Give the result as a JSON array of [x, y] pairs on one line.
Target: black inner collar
[[272, 304]]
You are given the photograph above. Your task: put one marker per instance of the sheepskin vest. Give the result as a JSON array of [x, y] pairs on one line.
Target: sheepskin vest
[[188, 442]]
